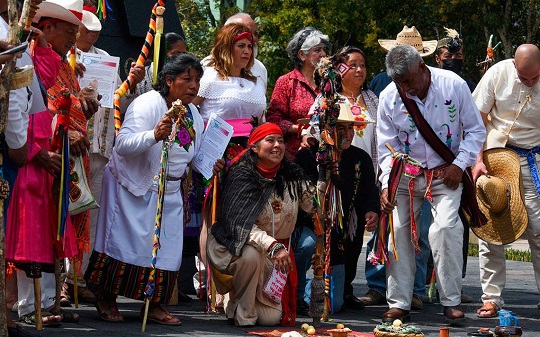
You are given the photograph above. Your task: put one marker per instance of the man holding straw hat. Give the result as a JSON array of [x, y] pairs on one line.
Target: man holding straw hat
[[507, 96]]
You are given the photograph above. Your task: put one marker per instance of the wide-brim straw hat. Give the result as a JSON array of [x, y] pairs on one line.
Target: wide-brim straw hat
[[345, 115], [411, 37], [500, 198], [66, 10]]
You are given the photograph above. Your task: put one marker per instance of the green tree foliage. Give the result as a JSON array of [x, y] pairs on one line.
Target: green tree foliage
[[363, 22]]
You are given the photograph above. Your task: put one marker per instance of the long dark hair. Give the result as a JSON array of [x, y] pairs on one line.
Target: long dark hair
[[342, 57], [176, 65], [289, 176]]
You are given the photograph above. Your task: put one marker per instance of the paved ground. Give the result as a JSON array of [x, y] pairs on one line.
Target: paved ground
[[520, 294]]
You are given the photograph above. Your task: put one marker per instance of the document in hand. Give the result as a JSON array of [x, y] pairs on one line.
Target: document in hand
[[215, 139]]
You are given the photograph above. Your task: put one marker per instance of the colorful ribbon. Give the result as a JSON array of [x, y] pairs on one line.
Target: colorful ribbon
[[121, 91]]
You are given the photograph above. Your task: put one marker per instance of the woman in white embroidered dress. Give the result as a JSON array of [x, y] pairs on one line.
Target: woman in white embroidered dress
[[119, 265], [228, 88]]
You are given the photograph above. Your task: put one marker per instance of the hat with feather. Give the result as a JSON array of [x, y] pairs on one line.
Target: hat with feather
[[452, 41]]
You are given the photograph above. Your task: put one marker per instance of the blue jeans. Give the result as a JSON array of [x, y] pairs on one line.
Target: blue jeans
[[302, 254], [376, 275]]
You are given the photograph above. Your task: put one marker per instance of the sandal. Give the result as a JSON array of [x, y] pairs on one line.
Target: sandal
[[168, 319], [488, 310], [47, 319], [112, 314], [67, 317]]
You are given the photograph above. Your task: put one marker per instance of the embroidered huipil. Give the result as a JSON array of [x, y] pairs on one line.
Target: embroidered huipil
[[448, 108]]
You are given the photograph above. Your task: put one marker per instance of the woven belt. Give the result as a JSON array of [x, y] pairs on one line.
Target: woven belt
[[169, 178], [531, 160], [414, 171]]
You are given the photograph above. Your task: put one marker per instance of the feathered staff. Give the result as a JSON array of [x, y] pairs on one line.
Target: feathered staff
[[178, 113], [330, 212], [489, 54], [121, 91], [16, 28]]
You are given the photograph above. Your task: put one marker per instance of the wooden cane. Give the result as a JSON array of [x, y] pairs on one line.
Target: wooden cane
[[58, 285], [37, 303], [75, 283]]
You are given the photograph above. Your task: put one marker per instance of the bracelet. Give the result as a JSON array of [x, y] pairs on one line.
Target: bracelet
[[274, 248]]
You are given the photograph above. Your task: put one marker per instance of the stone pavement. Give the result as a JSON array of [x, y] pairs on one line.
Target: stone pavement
[[521, 296]]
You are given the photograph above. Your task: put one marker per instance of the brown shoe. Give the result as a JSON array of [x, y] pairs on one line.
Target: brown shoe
[[373, 297], [454, 315], [417, 303], [396, 313]]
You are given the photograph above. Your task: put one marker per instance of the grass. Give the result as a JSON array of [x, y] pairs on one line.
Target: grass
[[510, 254]]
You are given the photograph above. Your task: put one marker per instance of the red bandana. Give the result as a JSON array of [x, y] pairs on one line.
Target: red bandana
[[244, 35]]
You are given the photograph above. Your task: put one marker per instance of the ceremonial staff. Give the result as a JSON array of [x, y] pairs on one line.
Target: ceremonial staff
[[121, 91], [330, 212], [178, 114], [16, 28]]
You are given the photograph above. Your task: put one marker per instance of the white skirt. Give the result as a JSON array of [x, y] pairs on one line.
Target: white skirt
[[125, 228]]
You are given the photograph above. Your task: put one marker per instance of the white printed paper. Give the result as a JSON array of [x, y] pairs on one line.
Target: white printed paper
[[103, 69], [215, 139]]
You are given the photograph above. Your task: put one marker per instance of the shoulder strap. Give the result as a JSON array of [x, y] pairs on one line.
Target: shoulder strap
[[468, 198], [425, 129]]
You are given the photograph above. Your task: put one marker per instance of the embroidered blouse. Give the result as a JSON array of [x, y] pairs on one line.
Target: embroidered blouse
[[448, 108]]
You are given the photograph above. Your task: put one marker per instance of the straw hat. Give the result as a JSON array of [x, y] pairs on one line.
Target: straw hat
[[411, 37], [66, 10], [500, 198], [345, 116], [91, 21]]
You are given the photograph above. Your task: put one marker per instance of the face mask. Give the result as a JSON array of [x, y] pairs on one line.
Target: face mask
[[454, 65]]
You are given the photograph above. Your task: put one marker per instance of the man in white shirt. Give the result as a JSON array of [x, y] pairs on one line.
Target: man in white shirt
[[445, 101], [507, 96]]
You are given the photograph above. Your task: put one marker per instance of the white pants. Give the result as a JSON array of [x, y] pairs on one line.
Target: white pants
[[25, 287], [97, 165], [491, 257], [445, 238]]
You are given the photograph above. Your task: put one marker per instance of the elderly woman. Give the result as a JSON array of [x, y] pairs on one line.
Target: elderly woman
[[295, 92], [228, 88], [120, 262], [260, 198], [293, 95]]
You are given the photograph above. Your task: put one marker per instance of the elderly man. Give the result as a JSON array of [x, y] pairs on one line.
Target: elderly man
[[444, 101], [504, 98]]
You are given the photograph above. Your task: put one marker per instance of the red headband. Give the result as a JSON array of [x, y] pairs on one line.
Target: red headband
[[263, 131], [244, 35], [258, 134]]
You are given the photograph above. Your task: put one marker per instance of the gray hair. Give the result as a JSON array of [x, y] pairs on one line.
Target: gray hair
[[401, 60], [304, 40]]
